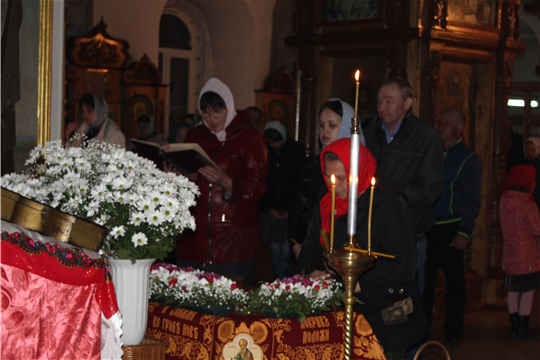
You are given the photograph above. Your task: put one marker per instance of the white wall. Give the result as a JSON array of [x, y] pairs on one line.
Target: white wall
[[134, 21], [240, 33]]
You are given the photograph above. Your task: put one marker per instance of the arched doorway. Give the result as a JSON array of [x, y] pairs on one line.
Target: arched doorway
[[183, 54]]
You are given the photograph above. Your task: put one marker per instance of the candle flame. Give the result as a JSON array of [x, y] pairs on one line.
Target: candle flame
[[357, 75], [333, 179], [373, 181]]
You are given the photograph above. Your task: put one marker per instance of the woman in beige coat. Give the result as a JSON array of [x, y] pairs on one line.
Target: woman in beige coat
[[96, 124]]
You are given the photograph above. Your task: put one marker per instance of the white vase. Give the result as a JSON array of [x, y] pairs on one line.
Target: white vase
[[131, 287]]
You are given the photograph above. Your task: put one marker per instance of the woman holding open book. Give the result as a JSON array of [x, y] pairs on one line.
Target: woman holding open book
[[226, 240]]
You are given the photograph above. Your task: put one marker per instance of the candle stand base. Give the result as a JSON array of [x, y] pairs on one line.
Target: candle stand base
[[350, 266]]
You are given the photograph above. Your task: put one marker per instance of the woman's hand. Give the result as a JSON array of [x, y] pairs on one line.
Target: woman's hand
[[279, 215], [169, 168], [218, 177], [319, 274], [71, 128]]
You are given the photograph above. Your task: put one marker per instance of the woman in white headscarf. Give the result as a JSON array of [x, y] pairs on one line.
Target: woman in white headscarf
[[147, 131], [335, 122], [226, 240], [96, 123]]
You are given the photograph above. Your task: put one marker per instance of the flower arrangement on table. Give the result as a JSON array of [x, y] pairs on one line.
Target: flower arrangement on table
[[209, 293], [297, 295], [144, 208], [194, 289]]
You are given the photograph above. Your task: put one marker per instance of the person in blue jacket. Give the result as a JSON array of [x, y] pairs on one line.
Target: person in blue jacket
[[453, 219]]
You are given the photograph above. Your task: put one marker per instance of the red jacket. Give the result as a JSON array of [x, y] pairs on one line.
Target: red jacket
[[231, 233], [520, 225]]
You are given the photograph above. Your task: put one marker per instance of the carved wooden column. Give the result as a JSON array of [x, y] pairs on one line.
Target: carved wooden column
[[396, 16], [494, 273], [429, 84], [307, 62], [504, 65]]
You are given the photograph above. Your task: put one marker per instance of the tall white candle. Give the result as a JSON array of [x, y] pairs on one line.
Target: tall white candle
[[353, 183]]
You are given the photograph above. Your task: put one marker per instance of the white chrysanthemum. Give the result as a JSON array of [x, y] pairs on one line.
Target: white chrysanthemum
[[137, 218], [121, 183], [118, 231], [99, 191], [145, 204], [35, 154], [168, 214], [155, 217], [139, 239], [66, 162]]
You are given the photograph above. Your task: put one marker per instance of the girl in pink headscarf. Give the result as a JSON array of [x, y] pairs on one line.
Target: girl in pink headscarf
[[520, 225]]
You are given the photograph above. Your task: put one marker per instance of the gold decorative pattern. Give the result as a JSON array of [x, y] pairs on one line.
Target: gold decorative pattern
[[44, 72]]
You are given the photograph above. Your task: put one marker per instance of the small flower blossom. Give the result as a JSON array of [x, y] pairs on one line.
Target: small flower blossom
[[118, 231], [139, 239]]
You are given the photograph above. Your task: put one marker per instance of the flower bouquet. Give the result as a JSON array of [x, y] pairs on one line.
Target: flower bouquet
[[144, 208], [296, 296], [194, 289]]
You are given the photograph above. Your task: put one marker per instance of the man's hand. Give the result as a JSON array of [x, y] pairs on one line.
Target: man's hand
[[459, 242], [218, 177]]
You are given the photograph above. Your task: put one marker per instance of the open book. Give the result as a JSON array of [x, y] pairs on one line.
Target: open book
[[187, 157]]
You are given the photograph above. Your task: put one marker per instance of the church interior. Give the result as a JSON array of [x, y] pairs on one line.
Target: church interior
[[287, 57]]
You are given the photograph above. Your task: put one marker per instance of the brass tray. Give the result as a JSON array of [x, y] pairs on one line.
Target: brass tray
[[9, 199], [48, 221]]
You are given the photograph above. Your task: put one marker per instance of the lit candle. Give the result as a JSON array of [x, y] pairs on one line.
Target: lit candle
[[333, 181], [369, 215], [357, 77]]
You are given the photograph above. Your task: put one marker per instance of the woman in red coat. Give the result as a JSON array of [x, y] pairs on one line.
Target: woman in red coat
[[226, 239], [520, 225]]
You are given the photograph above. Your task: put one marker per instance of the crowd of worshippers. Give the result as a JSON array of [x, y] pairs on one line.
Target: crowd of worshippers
[[426, 200]]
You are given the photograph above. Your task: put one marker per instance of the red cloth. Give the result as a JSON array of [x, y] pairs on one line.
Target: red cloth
[[342, 148], [45, 319], [193, 335], [235, 229], [63, 265], [520, 224], [52, 299], [520, 175]]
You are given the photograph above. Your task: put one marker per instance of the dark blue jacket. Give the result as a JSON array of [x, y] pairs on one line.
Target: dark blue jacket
[[460, 197]]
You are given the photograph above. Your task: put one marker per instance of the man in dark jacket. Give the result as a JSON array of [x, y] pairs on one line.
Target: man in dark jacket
[[408, 151], [453, 220]]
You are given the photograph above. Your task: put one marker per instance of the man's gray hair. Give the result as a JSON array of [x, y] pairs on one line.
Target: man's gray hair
[[404, 87], [459, 116]]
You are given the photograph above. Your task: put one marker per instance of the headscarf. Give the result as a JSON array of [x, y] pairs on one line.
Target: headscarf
[[346, 122], [152, 130], [101, 112], [535, 140], [278, 126], [367, 166], [520, 175], [215, 85]]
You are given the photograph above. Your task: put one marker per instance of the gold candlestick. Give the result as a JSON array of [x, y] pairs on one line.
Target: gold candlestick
[[333, 181], [357, 77], [369, 215], [350, 265]]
